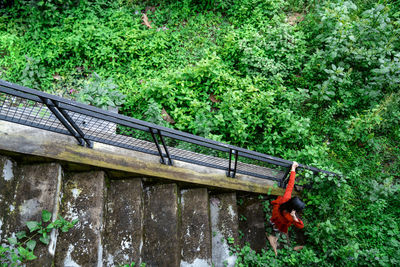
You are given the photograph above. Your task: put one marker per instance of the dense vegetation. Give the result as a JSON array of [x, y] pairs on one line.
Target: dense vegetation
[[312, 81]]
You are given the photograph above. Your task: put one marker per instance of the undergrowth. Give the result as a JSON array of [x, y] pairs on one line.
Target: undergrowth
[[311, 81]]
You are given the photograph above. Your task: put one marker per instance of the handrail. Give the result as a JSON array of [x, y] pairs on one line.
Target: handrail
[[67, 111]]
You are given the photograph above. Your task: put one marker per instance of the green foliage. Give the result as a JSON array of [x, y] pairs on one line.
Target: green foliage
[[33, 74], [323, 92], [20, 247], [69, 85], [242, 218], [273, 52], [287, 257], [101, 93], [241, 234], [357, 47], [254, 12], [133, 264], [153, 114]]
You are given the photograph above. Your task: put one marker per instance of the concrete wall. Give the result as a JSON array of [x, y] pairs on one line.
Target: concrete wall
[[129, 207]]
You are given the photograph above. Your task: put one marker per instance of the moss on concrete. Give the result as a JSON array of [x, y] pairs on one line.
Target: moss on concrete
[[83, 199], [161, 239], [252, 222], [123, 234], [224, 226], [7, 191], [37, 189], [196, 228]]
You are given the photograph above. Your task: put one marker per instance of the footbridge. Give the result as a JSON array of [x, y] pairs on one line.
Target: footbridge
[[141, 192]]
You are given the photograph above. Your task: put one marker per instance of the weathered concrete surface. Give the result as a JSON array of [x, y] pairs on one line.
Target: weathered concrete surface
[[252, 223], [224, 226], [161, 245], [123, 222], [28, 140], [7, 190], [83, 199], [37, 189], [196, 228]]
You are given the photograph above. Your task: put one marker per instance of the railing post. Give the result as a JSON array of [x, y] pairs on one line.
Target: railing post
[[165, 148], [228, 173], [236, 160], [232, 172], [89, 143], [162, 160], [50, 105]]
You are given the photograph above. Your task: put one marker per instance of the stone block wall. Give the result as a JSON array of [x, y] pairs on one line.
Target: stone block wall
[[123, 220]]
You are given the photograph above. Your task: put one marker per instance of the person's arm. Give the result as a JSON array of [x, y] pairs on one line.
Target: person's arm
[[290, 185], [296, 221], [291, 217]]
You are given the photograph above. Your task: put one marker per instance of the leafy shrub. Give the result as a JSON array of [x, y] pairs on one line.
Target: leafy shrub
[[359, 61], [254, 12], [322, 92], [275, 51], [101, 93], [21, 247], [33, 74]]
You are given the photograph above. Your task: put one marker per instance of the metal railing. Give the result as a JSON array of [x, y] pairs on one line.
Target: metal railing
[[88, 124]]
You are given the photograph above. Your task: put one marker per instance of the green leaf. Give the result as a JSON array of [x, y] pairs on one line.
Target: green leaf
[[14, 257], [31, 244], [12, 240], [26, 254], [32, 225], [30, 256], [269, 191], [23, 251], [3, 250], [45, 239], [21, 234], [57, 223], [46, 216]]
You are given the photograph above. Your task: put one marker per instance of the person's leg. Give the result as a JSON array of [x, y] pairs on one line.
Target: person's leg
[[287, 238], [296, 248]]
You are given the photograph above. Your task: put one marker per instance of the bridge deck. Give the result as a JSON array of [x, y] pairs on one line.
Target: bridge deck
[[34, 114], [27, 141]]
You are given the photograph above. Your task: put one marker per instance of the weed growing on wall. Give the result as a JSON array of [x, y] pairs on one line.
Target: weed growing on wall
[[21, 246], [133, 264]]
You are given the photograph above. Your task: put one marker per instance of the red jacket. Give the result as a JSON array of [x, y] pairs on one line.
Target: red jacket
[[283, 221]]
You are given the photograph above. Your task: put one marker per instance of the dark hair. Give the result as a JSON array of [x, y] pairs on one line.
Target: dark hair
[[292, 204]]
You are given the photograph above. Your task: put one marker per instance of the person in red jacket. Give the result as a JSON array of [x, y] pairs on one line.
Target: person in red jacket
[[284, 211]]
